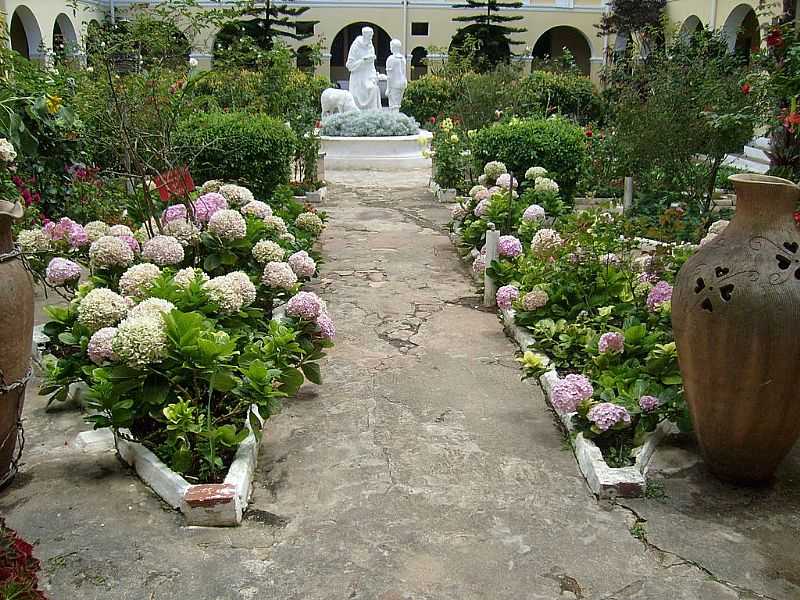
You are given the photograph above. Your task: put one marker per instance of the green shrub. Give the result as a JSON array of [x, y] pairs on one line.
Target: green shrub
[[255, 150], [428, 96], [369, 123], [542, 93], [555, 144]]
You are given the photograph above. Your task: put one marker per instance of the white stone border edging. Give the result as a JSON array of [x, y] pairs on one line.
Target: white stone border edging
[[209, 504], [604, 481]]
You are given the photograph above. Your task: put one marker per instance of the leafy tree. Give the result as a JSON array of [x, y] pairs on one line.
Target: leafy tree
[[640, 20], [490, 30], [271, 21]]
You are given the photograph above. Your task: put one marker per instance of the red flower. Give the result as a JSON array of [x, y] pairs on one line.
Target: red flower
[[797, 218], [432, 120], [791, 120], [589, 133], [775, 38], [746, 88]]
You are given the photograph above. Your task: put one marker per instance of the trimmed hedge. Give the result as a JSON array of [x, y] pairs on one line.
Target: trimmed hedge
[[475, 96], [555, 144], [254, 150], [543, 92], [429, 96]]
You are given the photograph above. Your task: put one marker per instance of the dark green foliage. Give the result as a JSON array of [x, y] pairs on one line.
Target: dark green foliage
[[489, 30], [255, 150], [555, 144]]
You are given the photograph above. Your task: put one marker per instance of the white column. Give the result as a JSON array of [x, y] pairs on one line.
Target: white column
[[489, 286]]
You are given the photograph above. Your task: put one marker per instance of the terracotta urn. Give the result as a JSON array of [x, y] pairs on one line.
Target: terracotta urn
[[736, 317], [16, 332]]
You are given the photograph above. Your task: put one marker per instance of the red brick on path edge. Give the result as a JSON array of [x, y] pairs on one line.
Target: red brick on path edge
[[209, 494]]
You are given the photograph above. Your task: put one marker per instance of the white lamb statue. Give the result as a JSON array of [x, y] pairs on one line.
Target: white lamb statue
[[337, 101]]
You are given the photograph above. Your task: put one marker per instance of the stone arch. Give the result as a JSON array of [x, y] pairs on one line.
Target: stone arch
[[690, 26], [65, 38], [418, 65], [552, 43], [741, 30], [341, 46], [26, 36]]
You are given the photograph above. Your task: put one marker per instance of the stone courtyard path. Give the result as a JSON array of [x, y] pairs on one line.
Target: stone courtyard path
[[422, 469]]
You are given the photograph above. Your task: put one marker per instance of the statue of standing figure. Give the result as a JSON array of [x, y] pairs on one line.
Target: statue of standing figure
[[396, 74], [363, 76]]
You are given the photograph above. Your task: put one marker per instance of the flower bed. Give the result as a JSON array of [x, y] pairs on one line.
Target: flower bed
[[173, 331], [579, 288], [18, 567]]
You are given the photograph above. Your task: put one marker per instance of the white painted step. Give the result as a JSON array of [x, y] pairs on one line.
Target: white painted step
[[762, 143], [745, 164], [757, 154]]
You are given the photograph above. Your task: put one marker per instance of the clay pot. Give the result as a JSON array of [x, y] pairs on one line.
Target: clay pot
[[16, 331], [736, 316]]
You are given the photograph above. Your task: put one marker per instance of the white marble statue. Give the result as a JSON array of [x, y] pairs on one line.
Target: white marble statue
[[363, 76], [396, 76], [337, 101]]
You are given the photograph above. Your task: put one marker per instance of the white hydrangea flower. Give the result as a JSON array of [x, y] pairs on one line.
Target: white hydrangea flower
[[241, 282], [226, 296], [228, 225], [186, 276], [212, 185], [279, 275], [135, 281], [275, 225], [545, 184], [95, 230], [185, 232], [309, 222], [152, 307], [109, 251], [100, 308], [494, 169], [545, 241], [163, 250], [118, 230], [535, 173], [268, 251], [141, 341], [236, 195], [287, 237], [33, 240], [257, 209], [7, 152]]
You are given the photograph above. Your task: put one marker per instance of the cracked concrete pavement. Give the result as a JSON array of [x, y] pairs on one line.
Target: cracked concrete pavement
[[423, 468]]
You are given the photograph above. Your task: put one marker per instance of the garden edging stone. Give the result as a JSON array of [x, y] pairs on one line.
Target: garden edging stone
[[210, 505], [605, 482]]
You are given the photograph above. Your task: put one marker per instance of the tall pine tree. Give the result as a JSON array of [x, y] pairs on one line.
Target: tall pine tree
[[270, 21], [490, 30]]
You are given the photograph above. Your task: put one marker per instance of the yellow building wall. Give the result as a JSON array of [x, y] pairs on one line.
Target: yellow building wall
[[539, 17]]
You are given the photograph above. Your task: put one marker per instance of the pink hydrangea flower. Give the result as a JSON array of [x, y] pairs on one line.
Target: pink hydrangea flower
[[612, 342], [100, 345], [480, 208], [661, 293], [176, 212], [533, 213], [505, 180], [569, 392], [327, 330], [648, 403], [302, 264], [208, 204], [305, 305], [535, 299], [606, 415], [61, 271], [479, 265], [509, 246], [133, 244], [506, 296]]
